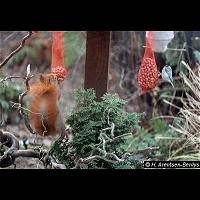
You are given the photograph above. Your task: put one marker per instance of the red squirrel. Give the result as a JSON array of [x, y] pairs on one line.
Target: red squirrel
[[45, 116]]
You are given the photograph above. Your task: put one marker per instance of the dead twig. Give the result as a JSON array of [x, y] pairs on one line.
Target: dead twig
[[21, 97], [11, 77], [19, 105], [17, 49], [9, 140], [148, 150]]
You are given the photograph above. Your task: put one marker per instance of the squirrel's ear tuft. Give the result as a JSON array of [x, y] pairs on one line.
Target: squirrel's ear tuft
[[42, 78]]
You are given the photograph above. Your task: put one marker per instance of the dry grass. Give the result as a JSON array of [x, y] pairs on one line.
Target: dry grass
[[189, 114]]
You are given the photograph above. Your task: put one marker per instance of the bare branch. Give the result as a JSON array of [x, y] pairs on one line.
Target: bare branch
[[11, 77], [21, 97], [104, 139], [10, 141], [148, 150], [8, 158], [27, 153], [17, 49], [91, 158], [58, 166], [115, 157], [19, 105]]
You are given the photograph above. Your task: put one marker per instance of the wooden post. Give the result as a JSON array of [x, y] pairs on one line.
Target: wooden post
[[97, 61]]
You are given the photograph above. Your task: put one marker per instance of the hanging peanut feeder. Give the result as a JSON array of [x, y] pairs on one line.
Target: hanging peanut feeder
[[161, 39], [148, 72], [57, 63]]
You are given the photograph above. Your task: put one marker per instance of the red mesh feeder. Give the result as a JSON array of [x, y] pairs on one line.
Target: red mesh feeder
[[57, 64], [148, 73]]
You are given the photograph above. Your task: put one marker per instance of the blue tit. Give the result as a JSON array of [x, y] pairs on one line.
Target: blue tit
[[167, 74]]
